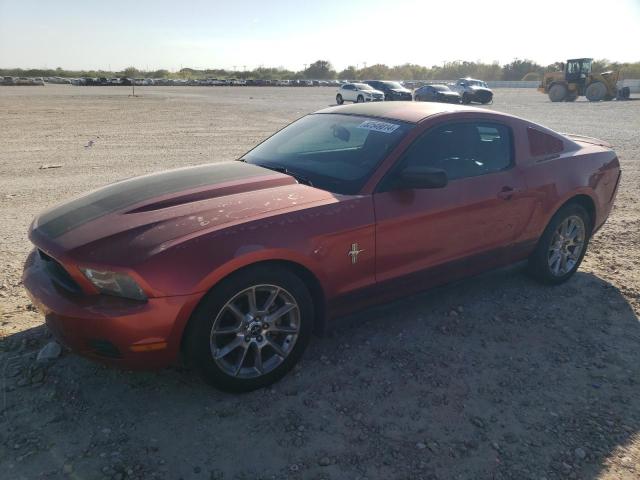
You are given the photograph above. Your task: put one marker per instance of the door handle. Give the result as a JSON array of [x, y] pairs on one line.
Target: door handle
[[507, 192]]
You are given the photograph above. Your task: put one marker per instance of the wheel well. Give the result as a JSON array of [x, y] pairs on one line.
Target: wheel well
[[309, 279], [586, 202], [315, 289]]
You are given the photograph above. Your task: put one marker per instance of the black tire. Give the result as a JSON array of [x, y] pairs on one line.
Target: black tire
[[198, 337], [466, 99], [558, 92], [339, 99], [572, 97], [539, 261], [624, 93], [596, 92], [360, 99]]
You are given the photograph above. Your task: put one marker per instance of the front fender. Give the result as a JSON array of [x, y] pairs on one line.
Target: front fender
[[252, 254]]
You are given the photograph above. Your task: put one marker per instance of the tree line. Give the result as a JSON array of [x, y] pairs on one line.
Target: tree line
[[518, 69]]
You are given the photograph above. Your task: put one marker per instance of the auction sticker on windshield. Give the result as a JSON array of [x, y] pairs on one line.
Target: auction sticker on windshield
[[379, 126]]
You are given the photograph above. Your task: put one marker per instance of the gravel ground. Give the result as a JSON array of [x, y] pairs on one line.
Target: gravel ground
[[494, 377]]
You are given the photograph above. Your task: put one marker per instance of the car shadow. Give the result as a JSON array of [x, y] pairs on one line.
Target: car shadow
[[493, 377]]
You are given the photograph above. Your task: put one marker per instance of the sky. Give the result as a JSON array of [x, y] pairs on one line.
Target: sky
[[115, 34]]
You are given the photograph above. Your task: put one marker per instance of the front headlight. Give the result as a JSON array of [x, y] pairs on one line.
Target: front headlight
[[114, 283]]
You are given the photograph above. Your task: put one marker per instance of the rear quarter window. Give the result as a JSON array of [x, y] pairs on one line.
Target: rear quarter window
[[541, 143]]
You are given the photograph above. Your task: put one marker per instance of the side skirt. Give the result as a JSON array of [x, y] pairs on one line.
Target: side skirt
[[449, 272]]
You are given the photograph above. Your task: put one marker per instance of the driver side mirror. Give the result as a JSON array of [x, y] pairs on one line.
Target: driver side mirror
[[414, 177]]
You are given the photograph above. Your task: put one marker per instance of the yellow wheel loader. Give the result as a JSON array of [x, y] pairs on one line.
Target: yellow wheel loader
[[576, 80]]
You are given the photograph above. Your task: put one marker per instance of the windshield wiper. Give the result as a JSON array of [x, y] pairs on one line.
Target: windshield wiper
[[286, 171]]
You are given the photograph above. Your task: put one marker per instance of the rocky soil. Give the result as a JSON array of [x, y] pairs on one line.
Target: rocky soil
[[495, 377]]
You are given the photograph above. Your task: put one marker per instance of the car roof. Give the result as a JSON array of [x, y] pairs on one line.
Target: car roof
[[412, 112]]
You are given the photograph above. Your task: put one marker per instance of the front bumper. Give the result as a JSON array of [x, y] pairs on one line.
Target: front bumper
[[111, 330], [398, 97], [449, 98]]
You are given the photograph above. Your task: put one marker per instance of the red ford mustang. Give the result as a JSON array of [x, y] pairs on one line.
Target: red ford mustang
[[233, 265]]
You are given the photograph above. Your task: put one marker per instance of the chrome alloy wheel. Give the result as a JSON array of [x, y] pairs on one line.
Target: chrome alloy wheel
[[566, 246], [255, 331]]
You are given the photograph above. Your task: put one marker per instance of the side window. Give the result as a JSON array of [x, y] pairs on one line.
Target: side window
[[465, 149], [541, 143]]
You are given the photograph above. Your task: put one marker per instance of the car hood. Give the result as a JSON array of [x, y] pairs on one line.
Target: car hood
[[400, 90], [141, 214]]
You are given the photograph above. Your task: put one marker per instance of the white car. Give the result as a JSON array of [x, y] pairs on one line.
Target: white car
[[358, 93]]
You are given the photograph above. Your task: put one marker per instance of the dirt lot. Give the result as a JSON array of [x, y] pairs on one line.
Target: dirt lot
[[495, 377]]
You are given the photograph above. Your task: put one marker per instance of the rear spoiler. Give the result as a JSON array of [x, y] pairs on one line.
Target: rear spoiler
[[585, 139]]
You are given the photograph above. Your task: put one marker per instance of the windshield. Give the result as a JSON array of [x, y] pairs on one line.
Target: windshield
[[394, 85], [440, 88], [363, 86], [334, 152]]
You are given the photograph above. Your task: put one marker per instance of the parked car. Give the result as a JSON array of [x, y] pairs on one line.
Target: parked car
[[358, 93], [8, 81], [436, 93], [235, 264], [472, 90], [391, 90]]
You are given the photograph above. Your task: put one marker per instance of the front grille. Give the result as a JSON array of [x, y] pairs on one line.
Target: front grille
[[484, 96], [58, 273]]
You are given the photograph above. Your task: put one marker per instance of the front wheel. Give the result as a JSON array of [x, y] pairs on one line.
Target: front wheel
[[596, 92], [562, 246], [360, 99], [251, 329], [339, 99]]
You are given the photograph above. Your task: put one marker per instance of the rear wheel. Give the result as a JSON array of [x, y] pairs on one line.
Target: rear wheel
[[251, 329], [596, 91], [562, 246], [557, 92], [339, 99]]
